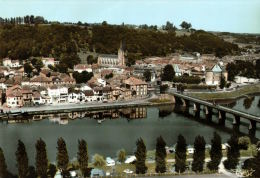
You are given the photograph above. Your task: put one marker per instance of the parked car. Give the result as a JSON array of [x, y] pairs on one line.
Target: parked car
[[130, 159], [128, 171], [110, 161], [97, 173]]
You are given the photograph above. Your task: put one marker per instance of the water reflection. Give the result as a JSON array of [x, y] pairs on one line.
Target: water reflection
[[165, 110], [232, 104], [248, 102], [100, 116]]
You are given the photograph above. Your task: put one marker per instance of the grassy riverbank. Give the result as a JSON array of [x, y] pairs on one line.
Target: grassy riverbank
[[170, 162], [246, 90]]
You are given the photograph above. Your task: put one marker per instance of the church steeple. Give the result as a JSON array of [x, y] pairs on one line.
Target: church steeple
[[121, 54]]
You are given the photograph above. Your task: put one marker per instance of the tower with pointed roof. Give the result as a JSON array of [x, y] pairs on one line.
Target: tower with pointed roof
[[121, 55]]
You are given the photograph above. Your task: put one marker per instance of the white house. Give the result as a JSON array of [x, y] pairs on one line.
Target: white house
[[101, 82], [75, 97], [242, 80], [48, 61], [85, 88], [82, 67], [58, 94], [7, 62]]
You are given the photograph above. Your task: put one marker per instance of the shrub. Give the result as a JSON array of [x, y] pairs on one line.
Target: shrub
[[121, 155], [99, 161], [244, 142]]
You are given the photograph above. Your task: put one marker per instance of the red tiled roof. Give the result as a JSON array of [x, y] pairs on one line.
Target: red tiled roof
[[134, 81]]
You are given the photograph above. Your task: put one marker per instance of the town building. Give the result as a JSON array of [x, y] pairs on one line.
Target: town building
[[7, 62], [137, 86], [14, 97], [48, 61], [82, 67], [113, 60], [213, 75], [58, 94]]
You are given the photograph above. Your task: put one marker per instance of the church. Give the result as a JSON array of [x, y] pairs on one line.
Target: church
[[110, 60]]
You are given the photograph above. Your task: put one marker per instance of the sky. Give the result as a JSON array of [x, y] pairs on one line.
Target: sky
[[240, 16]]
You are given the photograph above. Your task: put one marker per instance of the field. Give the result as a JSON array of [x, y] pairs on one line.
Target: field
[[246, 90]]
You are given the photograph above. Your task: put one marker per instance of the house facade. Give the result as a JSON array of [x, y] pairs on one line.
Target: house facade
[[137, 86]]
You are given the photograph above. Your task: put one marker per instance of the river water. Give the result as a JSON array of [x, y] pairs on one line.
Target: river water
[[120, 130]]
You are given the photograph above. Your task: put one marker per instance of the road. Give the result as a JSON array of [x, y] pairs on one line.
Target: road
[[193, 176], [68, 106]]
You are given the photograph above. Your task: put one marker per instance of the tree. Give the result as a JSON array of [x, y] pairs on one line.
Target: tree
[[121, 155], [62, 155], [233, 153], [91, 59], [147, 75], [3, 166], [28, 69], [257, 68], [169, 26], [180, 156], [160, 155], [215, 152], [99, 161], [52, 170], [222, 82], [140, 155], [22, 160], [37, 64], [32, 173], [163, 88], [168, 73], [199, 154], [82, 77], [185, 25], [41, 158], [83, 157], [108, 76]]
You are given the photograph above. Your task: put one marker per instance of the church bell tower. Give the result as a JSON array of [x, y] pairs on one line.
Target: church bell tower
[[121, 55]]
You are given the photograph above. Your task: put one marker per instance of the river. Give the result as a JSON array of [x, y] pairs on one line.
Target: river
[[121, 130]]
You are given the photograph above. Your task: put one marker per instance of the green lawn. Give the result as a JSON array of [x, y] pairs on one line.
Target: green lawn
[[246, 90]]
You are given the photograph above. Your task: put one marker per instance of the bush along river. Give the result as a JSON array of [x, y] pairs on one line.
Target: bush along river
[[108, 131]]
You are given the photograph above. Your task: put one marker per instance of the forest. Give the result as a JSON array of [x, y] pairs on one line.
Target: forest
[[20, 40]]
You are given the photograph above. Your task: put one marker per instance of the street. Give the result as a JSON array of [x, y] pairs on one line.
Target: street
[[194, 176]]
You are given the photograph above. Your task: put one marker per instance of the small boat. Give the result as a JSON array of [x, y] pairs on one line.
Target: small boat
[[100, 121]]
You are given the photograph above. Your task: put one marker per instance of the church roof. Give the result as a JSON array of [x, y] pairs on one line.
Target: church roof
[[216, 68], [109, 56]]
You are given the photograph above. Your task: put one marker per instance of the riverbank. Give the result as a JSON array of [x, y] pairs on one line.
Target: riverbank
[[68, 108], [240, 92]]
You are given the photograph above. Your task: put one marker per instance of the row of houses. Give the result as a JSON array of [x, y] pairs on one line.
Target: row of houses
[[211, 72], [28, 95]]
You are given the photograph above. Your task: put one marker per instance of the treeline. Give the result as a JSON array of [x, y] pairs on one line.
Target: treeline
[[63, 41], [248, 69], [43, 169], [58, 41], [28, 19], [150, 42]]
